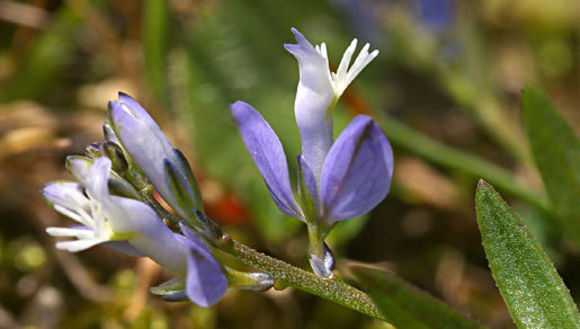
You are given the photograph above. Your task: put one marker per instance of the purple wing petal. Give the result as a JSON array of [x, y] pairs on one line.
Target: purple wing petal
[[142, 139], [268, 154], [357, 172], [205, 282], [148, 146]]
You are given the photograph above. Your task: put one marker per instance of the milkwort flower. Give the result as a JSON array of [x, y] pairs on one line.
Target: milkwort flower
[[130, 226], [114, 204], [336, 179]]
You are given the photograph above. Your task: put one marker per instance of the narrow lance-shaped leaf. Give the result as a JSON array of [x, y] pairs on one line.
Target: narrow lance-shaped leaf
[[556, 150], [532, 289], [406, 306]]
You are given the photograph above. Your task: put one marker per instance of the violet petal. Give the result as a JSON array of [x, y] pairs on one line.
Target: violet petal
[[268, 154], [205, 282], [357, 172], [148, 146]]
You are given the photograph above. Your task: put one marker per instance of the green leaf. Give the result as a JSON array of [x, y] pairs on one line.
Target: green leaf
[[556, 150], [406, 306], [532, 289]]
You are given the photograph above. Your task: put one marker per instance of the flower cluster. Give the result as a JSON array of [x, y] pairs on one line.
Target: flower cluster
[[112, 200], [113, 196], [336, 179]]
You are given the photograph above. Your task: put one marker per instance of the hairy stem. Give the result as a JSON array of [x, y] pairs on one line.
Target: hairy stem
[[285, 274]]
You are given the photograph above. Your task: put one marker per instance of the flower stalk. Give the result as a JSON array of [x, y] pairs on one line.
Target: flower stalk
[[284, 274]]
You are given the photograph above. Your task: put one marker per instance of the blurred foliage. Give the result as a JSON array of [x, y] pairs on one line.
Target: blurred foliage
[[556, 151], [408, 307], [446, 88]]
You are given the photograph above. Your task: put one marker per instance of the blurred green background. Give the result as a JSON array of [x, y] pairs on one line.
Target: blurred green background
[[445, 87]]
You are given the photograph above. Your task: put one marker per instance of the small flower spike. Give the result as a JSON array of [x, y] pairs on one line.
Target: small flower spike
[[153, 153], [132, 227], [336, 180]]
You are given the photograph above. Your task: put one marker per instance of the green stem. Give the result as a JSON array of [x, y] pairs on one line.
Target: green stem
[[316, 245], [285, 274], [445, 156]]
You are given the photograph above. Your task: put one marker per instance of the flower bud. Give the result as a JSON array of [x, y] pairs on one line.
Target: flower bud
[[93, 150]]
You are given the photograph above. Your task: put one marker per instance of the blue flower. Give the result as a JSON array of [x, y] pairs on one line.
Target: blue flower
[[146, 144], [337, 180], [130, 226]]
